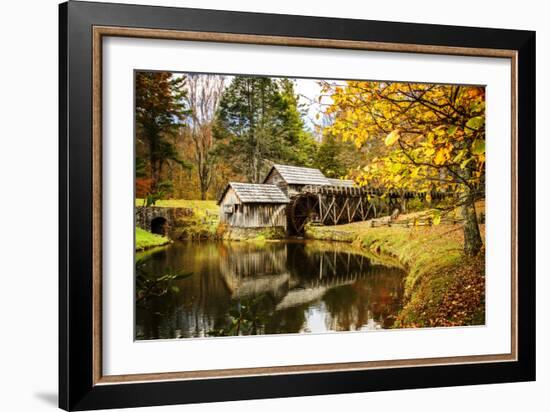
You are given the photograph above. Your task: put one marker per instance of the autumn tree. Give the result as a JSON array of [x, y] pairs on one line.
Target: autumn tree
[[434, 137], [203, 96], [160, 115]]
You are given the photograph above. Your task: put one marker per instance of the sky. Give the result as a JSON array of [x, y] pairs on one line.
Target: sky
[[309, 91]]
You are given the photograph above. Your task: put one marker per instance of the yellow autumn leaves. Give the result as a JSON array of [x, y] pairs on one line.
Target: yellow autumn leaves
[[392, 137], [430, 135]]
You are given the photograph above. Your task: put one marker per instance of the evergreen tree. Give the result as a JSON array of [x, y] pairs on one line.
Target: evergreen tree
[[329, 157], [303, 148], [160, 114], [259, 123]]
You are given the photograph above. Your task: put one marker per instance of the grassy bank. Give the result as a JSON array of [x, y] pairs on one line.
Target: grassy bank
[[202, 223], [201, 206], [443, 287], [146, 240]]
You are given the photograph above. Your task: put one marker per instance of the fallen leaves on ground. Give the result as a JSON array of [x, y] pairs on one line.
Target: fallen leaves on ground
[[453, 298]]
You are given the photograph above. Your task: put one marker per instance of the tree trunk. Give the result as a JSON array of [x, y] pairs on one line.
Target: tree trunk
[[203, 178], [204, 189], [472, 237], [154, 174]]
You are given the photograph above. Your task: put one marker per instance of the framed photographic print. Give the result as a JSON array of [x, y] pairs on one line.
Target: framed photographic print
[[257, 205]]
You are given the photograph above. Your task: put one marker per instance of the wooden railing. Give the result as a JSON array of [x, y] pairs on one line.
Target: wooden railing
[[420, 221], [368, 191]]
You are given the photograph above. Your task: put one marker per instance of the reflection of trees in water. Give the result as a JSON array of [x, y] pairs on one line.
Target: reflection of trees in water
[[202, 298], [276, 284], [376, 296]]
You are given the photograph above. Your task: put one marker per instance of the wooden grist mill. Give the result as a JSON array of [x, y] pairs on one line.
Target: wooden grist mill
[[306, 195]]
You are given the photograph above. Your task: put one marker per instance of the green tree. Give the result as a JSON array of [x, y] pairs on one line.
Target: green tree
[[303, 148], [328, 157], [258, 123], [160, 114]]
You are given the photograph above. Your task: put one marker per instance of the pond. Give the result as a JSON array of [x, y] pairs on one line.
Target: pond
[[244, 288]]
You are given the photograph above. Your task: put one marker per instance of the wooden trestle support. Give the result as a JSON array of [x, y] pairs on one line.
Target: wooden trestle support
[[335, 205]]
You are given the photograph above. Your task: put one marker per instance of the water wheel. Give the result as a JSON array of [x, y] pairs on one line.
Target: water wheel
[[303, 209]]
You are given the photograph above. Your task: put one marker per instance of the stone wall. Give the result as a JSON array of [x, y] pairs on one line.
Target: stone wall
[[146, 214], [253, 233]]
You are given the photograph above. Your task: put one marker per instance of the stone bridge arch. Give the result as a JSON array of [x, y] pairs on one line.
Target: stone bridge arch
[[160, 220]]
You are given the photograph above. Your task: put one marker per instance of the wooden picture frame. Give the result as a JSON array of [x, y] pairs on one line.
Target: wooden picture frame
[[82, 27]]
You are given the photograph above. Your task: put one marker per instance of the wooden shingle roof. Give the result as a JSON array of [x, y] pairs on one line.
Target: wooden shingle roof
[[341, 182], [296, 175], [257, 193]]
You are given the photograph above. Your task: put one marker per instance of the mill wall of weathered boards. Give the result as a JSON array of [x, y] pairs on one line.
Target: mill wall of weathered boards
[[253, 206]]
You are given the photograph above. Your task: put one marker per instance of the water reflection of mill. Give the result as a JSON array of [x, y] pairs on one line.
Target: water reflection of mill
[[288, 287], [294, 276]]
